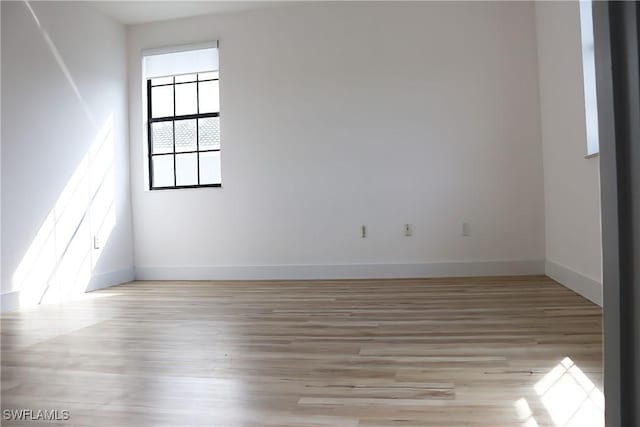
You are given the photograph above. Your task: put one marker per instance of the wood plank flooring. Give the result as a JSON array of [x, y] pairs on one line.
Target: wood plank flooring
[[492, 351]]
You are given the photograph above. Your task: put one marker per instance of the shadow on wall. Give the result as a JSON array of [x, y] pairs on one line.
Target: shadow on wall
[[568, 397], [60, 260]]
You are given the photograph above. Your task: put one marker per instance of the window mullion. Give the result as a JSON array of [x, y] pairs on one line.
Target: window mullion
[[175, 178], [198, 127], [149, 134], [185, 117]]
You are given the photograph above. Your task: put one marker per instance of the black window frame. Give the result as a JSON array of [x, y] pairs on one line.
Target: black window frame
[[173, 118]]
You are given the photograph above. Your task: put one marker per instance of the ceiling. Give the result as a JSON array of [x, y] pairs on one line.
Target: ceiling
[[139, 12]]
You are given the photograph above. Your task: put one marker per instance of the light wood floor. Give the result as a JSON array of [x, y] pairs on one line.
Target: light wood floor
[[437, 352]]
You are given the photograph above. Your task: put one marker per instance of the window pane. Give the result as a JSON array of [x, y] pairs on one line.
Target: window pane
[[210, 168], [163, 171], [209, 133], [186, 78], [161, 81], [209, 97], [187, 169], [208, 76], [186, 99], [186, 135], [162, 101], [162, 137]]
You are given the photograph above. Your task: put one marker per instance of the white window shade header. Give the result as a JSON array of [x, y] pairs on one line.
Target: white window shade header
[[177, 60]]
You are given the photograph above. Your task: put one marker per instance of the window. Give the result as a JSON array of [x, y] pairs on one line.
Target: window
[[589, 77], [183, 118], [184, 131]]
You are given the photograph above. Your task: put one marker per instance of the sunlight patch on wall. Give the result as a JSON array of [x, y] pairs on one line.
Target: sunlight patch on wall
[[60, 260], [63, 66]]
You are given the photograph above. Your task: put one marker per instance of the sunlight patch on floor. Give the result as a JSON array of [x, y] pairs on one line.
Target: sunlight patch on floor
[[569, 397]]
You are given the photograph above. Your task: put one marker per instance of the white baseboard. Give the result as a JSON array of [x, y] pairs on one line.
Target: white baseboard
[[340, 271], [111, 278], [578, 283], [575, 281], [11, 300]]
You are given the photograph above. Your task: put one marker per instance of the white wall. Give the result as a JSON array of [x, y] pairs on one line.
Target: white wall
[[337, 115], [63, 76], [571, 182]]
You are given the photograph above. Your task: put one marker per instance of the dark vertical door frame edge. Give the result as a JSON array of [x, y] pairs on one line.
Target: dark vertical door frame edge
[[618, 92]]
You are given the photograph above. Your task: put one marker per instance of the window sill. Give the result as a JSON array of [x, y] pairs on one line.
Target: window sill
[[185, 187], [592, 155]]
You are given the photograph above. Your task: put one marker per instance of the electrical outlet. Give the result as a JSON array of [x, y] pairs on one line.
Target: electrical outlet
[[466, 229], [364, 231], [96, 242], [407, 230]]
